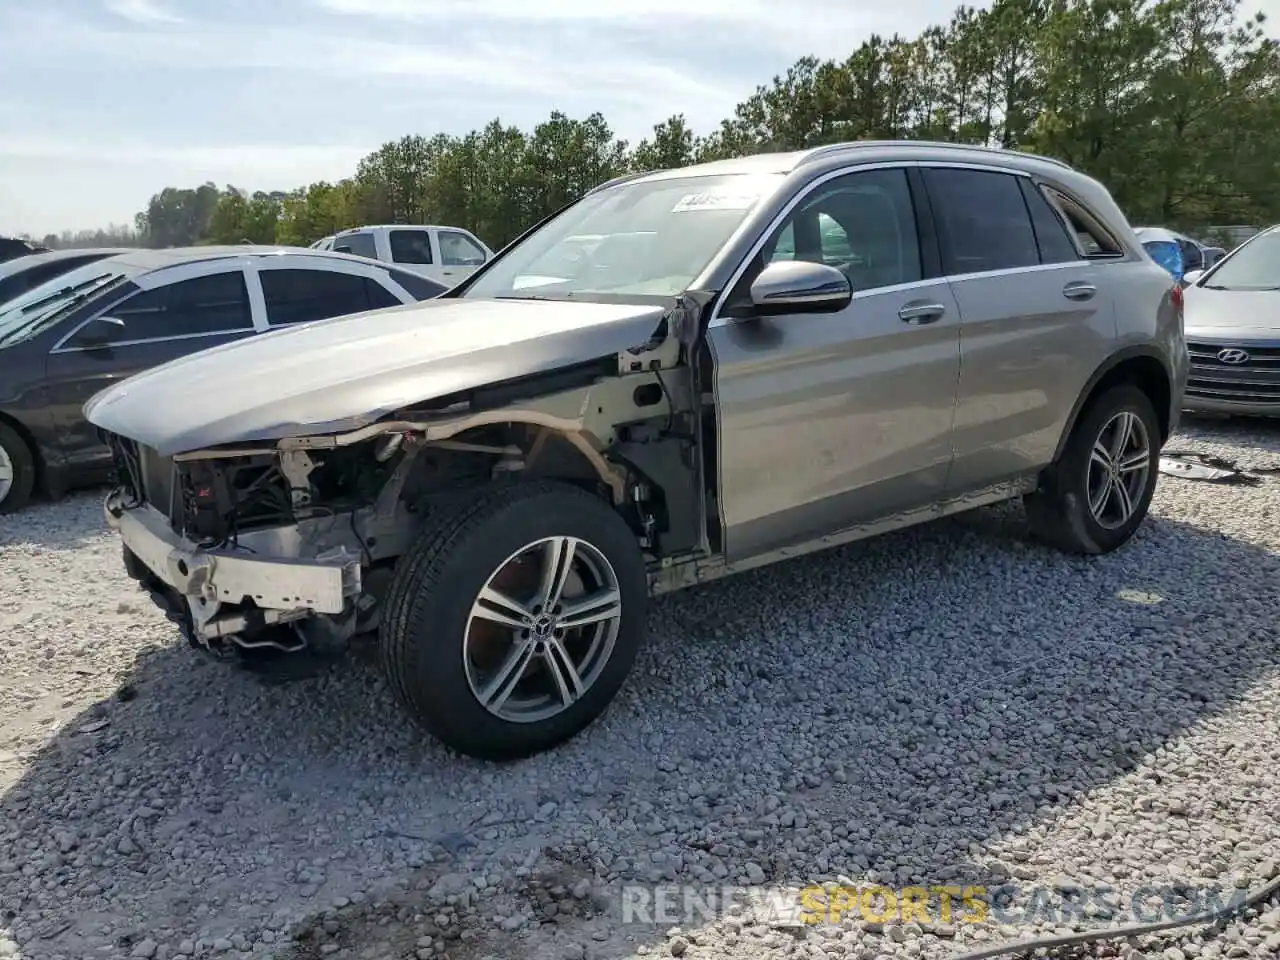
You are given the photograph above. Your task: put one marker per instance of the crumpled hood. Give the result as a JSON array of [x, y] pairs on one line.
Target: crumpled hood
[[341, 373], [1229, 313]]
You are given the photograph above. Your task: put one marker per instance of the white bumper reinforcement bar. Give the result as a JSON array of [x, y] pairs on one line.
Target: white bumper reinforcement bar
[[321, 585]]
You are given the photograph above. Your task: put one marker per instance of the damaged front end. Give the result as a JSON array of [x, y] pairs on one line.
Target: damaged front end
[[290, 544]]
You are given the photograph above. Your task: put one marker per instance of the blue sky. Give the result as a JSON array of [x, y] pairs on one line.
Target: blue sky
[[103, 102]]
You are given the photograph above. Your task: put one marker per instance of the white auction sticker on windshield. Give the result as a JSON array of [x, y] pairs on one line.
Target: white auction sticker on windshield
[[717, 200]]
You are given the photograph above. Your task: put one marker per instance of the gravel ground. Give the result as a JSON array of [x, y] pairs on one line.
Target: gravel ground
[[951, 705]]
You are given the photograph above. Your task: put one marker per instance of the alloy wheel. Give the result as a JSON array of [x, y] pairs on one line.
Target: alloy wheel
[[6, 474], [1119, 466], [542, 629]]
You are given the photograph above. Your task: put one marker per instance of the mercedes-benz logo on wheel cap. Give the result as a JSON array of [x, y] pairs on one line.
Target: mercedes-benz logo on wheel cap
[[1232, 355]]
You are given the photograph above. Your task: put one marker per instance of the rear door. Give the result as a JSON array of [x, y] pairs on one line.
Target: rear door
[[410, 248], [296, 294], [1036, 318], [181, 315]]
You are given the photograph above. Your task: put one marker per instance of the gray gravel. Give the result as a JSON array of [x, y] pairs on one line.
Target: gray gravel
[[951, 705]]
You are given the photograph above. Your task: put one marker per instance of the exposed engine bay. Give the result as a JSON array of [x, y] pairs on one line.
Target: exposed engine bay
[[352, 502]]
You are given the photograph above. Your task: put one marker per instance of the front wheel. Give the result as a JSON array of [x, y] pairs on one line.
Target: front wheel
[[1096, 496], [17, 470], [515, 618]]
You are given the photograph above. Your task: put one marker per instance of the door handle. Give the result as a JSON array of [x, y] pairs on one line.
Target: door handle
[[921, 313], [1079, 290]]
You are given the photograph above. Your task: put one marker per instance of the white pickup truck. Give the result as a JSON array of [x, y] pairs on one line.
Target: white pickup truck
[[447, 255]]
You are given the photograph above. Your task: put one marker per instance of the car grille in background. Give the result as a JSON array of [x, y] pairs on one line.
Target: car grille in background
[[1255, 380]]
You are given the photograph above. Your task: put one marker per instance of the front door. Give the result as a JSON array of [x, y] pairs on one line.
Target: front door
[[460, 256], [830, 420], [142, 331]]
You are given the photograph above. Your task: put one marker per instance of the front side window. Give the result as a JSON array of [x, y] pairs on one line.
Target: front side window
[[217, 303], [863, 224], [983, 222], [301, 296], [642, 238], [410, 246], [459, 250], [357, 244], [1254, 266]]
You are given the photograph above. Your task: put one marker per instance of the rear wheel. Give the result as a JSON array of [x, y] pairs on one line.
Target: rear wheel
[[515, 619], [17, 470], [1097, 494]]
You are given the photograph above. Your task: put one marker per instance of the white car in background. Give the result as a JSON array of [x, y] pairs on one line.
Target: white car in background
[[446, 255]]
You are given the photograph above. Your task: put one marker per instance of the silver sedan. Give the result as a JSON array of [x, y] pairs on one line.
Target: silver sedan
[[1232, 322]]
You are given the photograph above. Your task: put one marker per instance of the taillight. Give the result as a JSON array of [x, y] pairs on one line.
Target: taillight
[[1176, 297]]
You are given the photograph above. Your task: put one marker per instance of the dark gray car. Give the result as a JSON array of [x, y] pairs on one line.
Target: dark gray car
[[94, 326], [752, 359]]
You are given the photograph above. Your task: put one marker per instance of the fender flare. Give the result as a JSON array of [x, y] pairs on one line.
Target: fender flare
[[1143, 351]]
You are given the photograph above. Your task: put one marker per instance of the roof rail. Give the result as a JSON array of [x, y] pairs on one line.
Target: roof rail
[[617, 180], [832, 148]]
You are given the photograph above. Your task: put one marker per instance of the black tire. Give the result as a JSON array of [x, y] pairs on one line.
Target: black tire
[[19, 456], [429, 601], [1059, 513]]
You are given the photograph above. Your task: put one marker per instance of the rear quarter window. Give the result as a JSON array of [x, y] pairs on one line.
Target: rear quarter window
[[357, 244]]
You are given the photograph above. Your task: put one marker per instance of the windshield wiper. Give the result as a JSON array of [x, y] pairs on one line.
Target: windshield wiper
[[62, 293], [42, 320]]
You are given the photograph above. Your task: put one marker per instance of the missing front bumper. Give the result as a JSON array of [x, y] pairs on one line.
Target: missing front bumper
[[258, 590]]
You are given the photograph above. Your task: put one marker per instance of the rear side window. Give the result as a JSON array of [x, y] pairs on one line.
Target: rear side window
[[418, 286], [410, 246], [379, 296], [1168, 254], [217, 303], [1052, 237], [301, 296], [358, 244], [983, 221]]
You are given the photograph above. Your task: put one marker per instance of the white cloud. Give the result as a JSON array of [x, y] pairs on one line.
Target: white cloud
[[141, 11], [468, 66], [184, 92], [822, 27], [222, 162]]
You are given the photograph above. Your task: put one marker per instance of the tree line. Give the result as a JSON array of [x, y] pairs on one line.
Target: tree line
[[1174, 105]]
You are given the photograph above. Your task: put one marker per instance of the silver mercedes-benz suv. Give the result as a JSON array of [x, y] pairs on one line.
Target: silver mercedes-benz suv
[[682, 375]]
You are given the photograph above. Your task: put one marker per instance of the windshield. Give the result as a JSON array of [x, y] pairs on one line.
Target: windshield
[[32, 312], [1254, 266], [635, 239]]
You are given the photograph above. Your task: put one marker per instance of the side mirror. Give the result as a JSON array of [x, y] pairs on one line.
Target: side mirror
[[799, 286], [101, 333], [1191, 276]]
